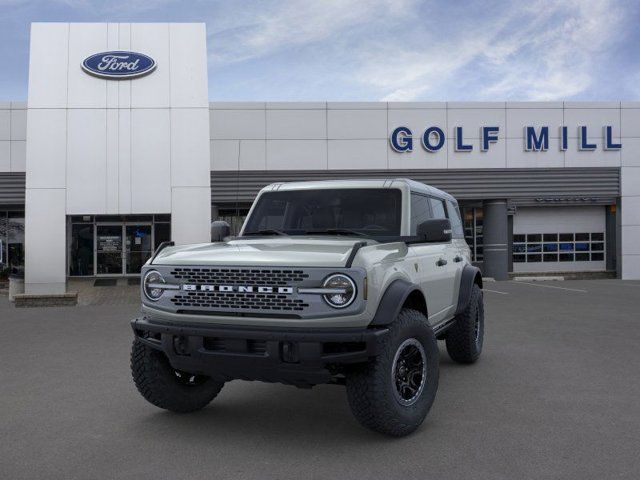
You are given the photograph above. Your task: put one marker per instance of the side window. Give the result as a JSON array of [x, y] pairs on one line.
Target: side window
[[437, 207], [420, 211], [456, 221]]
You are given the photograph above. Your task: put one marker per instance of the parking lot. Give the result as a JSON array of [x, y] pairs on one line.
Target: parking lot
[[555, 395]]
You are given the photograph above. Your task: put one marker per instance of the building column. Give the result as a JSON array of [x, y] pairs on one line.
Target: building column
[[495, 239]]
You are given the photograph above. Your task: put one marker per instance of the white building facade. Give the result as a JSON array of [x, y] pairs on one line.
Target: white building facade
[[104, 161]]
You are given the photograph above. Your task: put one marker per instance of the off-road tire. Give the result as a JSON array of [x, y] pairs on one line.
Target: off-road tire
[[464, 345], [370, 387], [160, 384]]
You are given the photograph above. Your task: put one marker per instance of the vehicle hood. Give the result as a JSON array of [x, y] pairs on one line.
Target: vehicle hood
[[272, 251]]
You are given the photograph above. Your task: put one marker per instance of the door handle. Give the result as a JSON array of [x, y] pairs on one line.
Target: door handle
[[457, 258], [441, 262]]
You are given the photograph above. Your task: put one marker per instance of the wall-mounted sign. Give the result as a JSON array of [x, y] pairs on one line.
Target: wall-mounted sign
[[118, 65], [535, 139]]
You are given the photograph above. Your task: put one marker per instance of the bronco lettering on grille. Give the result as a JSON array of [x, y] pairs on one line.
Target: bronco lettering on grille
[[237, 289]]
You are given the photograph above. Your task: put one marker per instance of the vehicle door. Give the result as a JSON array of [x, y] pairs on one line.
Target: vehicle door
[[461, 250], [430, 270], [448, 263]]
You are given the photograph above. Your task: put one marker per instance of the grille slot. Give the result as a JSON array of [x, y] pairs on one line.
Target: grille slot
[[239, 276]]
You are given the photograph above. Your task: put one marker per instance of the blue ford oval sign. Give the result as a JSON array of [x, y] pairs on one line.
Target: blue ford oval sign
[[118, 65]]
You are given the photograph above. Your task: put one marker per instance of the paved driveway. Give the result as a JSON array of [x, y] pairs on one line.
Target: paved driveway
[[555, 395]]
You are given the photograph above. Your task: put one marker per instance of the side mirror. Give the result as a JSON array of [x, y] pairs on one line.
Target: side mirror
[[219, 230], [437, 230]]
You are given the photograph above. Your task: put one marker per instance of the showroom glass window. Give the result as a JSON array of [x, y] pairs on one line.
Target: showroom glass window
[[12, 239]]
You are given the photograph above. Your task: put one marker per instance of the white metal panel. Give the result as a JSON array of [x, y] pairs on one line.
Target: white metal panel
[[84, 90], [45, 241], [112, 175], [630, 214], [630, 239], [630, 267], [150, 161], [124, 86], [190, 147], [574, 157], [630, 153], [630, 122], [630, 181], [357, 154], [18, 124], [518, 157], [5, 156], [417, 120], [18, 156], [113, 43], [237, 124], [153, 90], [86, 161], [5, 124], [592, 118], [298, 154], [253, 155], [224, 154], [48, 62], [124, 161], [357, 124], [418, 159], [472, 119], [188, 56], [495, 157], [47, 148], [296, 124], [518, 118], [191, 215]]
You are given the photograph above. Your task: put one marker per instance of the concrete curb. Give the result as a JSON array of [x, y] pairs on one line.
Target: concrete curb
[[24, 300], [539, 279]]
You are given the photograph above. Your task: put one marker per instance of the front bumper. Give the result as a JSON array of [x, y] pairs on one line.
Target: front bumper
[[301, 357]]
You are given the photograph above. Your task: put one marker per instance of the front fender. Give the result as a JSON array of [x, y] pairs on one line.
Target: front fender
[[392, 301]]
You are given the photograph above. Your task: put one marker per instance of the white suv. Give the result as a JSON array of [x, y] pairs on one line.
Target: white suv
[[343, 282]]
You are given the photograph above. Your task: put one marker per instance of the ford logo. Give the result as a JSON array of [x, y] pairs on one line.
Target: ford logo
[[118, 65]]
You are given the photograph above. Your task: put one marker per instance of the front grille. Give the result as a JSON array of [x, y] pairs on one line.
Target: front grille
[[238, 301], [239, 276], [255, 347]]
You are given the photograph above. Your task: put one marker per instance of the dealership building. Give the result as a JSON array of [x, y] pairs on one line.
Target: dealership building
[[118, 148]]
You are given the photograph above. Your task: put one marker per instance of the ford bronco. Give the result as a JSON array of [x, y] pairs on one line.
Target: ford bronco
[[342, 282]]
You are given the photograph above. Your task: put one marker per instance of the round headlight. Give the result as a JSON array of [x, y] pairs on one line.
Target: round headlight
[[150, 285], [344, 290]]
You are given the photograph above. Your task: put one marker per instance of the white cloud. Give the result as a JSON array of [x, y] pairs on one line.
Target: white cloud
[[282, 25], [539, 51]]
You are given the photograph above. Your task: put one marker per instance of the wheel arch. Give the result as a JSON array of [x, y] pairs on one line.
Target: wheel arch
[[398, 295], [470, 276]]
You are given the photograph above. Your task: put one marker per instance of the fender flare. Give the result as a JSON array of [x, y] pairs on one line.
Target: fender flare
[[470, 276], [392, 301]]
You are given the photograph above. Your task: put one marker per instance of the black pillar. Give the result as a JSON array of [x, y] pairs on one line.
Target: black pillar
[[495, 239]]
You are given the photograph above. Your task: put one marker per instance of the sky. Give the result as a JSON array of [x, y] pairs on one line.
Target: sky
[[377, 50]]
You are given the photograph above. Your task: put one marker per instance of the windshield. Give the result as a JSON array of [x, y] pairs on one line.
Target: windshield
[[371, 212]]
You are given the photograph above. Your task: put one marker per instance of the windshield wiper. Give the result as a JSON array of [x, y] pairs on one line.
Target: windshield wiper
[[336, 231], [269, 231]]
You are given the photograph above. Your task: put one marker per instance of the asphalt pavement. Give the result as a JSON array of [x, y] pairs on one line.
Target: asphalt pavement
[[556, 394]]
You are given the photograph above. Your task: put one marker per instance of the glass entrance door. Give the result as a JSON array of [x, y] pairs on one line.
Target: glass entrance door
[[109, 258], [139, 247], [122, 249]]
